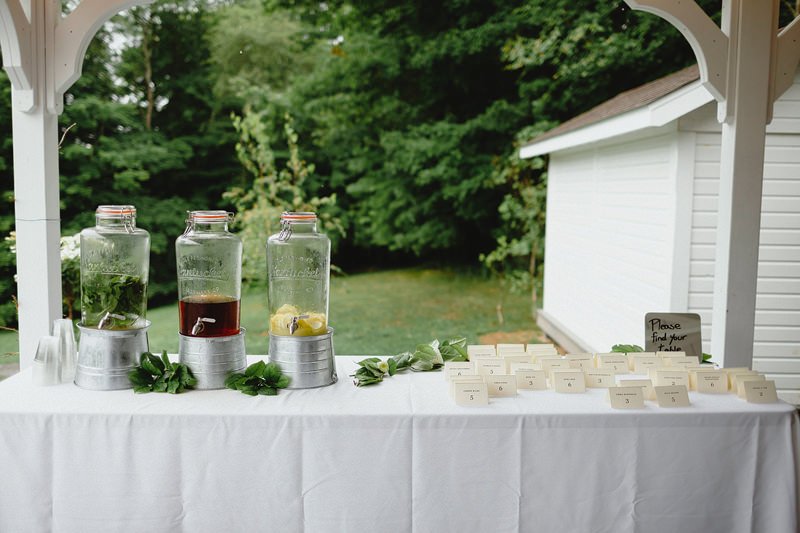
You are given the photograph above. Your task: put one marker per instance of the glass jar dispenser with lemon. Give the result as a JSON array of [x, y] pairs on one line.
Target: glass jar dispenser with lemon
[[298, 264]]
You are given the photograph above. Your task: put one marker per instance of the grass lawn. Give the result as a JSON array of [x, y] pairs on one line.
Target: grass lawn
[[380, 313]]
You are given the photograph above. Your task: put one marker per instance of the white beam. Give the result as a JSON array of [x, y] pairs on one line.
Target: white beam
[[16, 38], [753, 26]]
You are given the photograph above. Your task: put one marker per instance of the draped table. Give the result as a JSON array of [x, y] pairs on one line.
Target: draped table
[[399, 456]]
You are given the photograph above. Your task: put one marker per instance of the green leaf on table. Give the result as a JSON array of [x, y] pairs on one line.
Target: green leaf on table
[[260, 378], [157, 374], [392, 366]]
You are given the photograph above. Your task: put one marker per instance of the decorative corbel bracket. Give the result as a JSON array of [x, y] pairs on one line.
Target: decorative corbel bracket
[[43, 52], [16, 41], [72, 37], [709, 43]]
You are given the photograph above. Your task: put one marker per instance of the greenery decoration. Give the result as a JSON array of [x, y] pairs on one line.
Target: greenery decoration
[[426, 357], [157, 374], [633, 348], [258, 379]]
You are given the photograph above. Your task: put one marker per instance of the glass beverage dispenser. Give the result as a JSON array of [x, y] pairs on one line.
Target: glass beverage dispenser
[[209, 261], [298, 264], [115, 260]]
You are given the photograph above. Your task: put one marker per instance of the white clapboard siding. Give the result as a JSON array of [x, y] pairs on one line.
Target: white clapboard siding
[[776, 348], [631, 228], [610, 227]]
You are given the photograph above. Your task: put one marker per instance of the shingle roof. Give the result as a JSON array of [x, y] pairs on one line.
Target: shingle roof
[[624, 102]]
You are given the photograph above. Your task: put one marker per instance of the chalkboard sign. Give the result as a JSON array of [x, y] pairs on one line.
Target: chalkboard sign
[[673, 332]]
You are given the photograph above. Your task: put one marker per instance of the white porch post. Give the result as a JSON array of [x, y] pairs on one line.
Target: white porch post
[[752, 28], [746, 65], [42, 53]]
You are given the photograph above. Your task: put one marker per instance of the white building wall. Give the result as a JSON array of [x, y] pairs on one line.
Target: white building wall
[[610, 238], [776, 348]]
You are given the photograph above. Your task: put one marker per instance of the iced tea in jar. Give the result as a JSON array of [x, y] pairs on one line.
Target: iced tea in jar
[[209, 259]]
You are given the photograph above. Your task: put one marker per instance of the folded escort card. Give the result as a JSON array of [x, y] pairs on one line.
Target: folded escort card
[[599, 378], [709, 381], [615, 361], [470, 394], [569, 381], [671, 376], [458, 368], [531, 379], [464, 380], [501, 385], [626, 397], [672, 396], [760, 391], [641, 363], [489, 365]]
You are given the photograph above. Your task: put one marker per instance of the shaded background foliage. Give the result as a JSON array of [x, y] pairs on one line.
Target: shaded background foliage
[[406, 117]]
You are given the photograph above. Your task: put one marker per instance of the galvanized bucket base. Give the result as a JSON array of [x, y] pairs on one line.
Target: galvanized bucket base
[[212, 359], [105, 356], [307, 361]]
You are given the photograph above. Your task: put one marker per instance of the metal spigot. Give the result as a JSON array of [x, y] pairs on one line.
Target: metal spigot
[[293, 325], [106, 320], [200, 325]]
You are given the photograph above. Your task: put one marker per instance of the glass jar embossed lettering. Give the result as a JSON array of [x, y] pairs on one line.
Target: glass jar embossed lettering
[[209, 261], [115, 260], [298, 264]]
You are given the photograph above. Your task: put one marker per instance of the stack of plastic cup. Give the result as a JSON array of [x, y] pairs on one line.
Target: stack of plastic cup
[[46, 362], [68, 353]]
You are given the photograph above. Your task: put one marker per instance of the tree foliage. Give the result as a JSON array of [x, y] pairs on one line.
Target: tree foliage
[[398, 120]]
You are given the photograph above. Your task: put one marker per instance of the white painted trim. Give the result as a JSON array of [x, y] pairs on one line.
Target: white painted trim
[[656, 114], [684, 155]]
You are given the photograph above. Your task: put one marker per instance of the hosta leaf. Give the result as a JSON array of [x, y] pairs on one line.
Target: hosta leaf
[[255, 369]]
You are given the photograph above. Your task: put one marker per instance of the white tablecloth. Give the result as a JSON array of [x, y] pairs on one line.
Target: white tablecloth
[[399, 456]]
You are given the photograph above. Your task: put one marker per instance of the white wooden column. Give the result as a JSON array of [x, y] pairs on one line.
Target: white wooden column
[[752, 27], [43, 54]]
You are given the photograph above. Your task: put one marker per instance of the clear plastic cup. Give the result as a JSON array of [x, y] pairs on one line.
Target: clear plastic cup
[[46, 362], [67, 348]]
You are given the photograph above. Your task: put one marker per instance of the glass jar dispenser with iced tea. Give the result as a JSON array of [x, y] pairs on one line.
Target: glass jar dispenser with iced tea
[[209, 261], [115, 261], [298, 263]]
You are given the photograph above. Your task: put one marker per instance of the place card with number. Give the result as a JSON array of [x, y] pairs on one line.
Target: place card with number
[[672, 396], [568, 381], [741, 376], [626, 397], [462, 380], [671, 376], [709, 381], [531, 380], [730, 372], [502, 385], [487, 366], [584, 362], [683, 362], [615, 361], [760, 391], [599, 378], [471, 394], [458, 368], [667, 355]]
